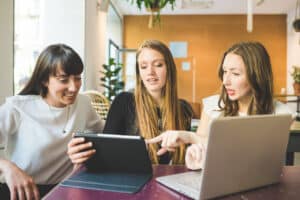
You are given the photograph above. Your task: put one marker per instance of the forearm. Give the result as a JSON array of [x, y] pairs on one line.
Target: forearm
[[21, 185], [197, 139], [4, 164], [201, 140]]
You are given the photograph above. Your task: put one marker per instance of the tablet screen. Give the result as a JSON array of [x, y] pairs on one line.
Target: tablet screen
[[117, 153]]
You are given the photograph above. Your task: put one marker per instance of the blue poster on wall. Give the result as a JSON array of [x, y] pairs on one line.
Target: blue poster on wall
[[178, 49]]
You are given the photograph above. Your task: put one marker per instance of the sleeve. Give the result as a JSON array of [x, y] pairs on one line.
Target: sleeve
[[187, 112], [210, 106], [9, 120], [282, 108], [93, 123], [118, 118]]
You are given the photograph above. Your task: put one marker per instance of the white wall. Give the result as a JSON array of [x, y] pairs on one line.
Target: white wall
[[6, 49], [79, 24], [293, 54], [293, 49], [114, 28], [62, 21], [95, 36]]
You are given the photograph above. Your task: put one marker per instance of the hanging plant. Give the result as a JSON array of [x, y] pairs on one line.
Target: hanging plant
[[153, 6], [296, 23]]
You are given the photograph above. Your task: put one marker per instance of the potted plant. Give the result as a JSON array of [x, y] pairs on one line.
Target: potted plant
[[296, 77], [154, 6], [111, 79]]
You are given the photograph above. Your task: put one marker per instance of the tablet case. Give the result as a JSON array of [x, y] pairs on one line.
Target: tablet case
[[121, 164]]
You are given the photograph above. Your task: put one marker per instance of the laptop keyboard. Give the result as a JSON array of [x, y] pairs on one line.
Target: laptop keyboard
[[190, 179], [188, 183]]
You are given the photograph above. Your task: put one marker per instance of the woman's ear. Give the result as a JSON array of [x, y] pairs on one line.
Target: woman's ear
[[45, 83]]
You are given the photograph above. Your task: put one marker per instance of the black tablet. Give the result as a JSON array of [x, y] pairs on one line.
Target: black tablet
[[121, 153], [120, 164]]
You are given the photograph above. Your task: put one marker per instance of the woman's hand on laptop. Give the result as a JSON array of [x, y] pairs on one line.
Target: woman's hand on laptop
[[172, 139], [194, 157], [21, 185], [80, 151]]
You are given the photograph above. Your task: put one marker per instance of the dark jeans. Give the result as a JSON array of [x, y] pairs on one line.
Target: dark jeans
[[5, 193]]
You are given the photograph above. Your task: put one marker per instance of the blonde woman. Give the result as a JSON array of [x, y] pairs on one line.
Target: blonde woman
[[153, 108]]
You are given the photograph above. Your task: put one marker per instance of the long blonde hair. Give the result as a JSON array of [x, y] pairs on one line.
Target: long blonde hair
[[146, 108]]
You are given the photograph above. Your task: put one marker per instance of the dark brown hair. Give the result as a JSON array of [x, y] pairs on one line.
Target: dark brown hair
[[53, 57]]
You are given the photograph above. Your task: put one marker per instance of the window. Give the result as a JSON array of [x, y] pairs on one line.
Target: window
[[27, 40], [40, 23], [116, 51], [114, 30], [128, 57]]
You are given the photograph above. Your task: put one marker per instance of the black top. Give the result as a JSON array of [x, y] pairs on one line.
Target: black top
[[121, 118]]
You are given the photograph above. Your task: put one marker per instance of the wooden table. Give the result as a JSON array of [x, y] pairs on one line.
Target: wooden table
[[287, 189]]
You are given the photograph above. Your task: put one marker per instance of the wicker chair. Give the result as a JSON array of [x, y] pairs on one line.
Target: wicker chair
[[99, 102]]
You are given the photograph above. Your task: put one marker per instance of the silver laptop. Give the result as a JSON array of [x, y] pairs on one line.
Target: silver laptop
[[242, 153]]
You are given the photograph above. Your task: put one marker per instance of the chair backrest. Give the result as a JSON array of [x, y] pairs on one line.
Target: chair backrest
[[99, 102]]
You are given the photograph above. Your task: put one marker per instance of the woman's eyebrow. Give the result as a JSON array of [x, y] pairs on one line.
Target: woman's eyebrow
[[158, 59], [230, 68], [61, 75]]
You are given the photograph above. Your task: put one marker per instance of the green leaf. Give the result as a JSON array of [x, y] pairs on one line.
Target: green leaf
[[105, 67], [111, 80], [116, 71], [139, 4], [111, 61], [153, 4], [106, 86]]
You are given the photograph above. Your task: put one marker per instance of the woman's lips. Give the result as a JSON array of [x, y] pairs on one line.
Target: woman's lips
[[152, 81], [230, 92]]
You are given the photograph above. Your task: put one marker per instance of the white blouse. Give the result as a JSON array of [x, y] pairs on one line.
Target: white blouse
[[35, 135]]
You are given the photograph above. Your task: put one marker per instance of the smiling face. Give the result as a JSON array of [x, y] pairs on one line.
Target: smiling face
[[62, 88], [235, 78], [153, 71]]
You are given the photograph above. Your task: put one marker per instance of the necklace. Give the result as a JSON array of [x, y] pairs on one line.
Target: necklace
[[57, 118]]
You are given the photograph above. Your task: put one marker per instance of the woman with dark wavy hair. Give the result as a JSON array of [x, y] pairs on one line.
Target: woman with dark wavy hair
[[247, 89], [258, 96], [37, 124]]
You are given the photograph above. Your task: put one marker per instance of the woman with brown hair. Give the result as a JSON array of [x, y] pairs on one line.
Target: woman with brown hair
[[153, 108], [37, 124], [247, 89]]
